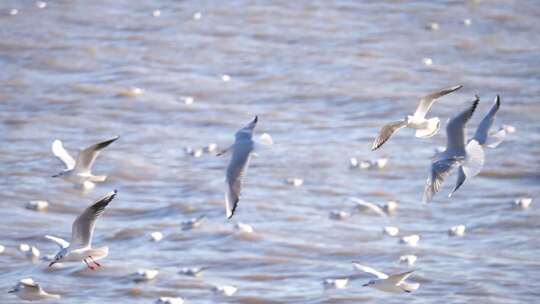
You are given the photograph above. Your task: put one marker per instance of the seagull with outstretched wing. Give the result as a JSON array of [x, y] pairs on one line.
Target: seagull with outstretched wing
[[80, 171], [80, 246], [241, 150], [424, 127], [470, 156]]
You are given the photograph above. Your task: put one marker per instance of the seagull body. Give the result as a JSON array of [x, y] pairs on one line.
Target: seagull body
[[389, 283], [411, 240], [241, 150], [169, 300], [29, 290], [424, 127], [408, 259], [193, 271], [469, 156], [80, 171], [226, 290], [522, 202], [143, 275], [336, 283], [80, 246], [361, 205], [193, 223], [458, 230], [484, 138]]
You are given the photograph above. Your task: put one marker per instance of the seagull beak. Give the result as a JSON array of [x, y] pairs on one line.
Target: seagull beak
[[11, 291], [365, 285], [56, 175]]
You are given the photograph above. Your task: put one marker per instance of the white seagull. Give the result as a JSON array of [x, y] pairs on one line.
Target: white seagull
[[242, 149], [457, 153], [424, 127], [484, 138], [27, 289], [389, 283], [80, 171], [80, 246]]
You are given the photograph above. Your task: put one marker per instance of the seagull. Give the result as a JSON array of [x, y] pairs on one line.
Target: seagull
[[336, 283], [484, 138], [363, 205], [193, 271], [389, 283], [143, 275], [193, 222], [80, 171], [226, 290], [169, 300], [470, 157], [241, 150], [80, 246], [27, 289], [424, 127]]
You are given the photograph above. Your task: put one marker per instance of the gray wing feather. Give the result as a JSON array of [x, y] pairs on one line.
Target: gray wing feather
[[439, 171], [427, 101], [235, 174], [482, 131], [86, 157], [461, 179], [386, 132], [83, 227], [455, 129]]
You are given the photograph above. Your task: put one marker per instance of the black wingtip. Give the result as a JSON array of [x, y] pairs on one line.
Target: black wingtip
[[498, 100], [256, 119]]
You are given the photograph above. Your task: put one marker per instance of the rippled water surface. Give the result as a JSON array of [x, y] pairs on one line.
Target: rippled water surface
[[323, 77]]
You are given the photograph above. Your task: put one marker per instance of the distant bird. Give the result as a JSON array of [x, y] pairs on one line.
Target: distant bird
[[457, 153], [424, 127], [80, 171], [336, 283], [242, 149], [193, 271], [80, 246], [193, 222], [27, 289], [389, 283], [169, 300], [484, 138], [226, 290], [144, 275]]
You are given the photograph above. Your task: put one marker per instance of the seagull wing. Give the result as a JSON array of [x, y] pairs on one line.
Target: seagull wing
[[400, 277], [461, 179], [439, 171], [455, 129], [88, 156], [59, 151], [427, 101], [386, 132], [83, 226], [370, 270], [235, 174], [59, 241], [481, 134], [367, 205]]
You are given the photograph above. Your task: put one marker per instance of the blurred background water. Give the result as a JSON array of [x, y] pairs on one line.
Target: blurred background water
[[323, 76]]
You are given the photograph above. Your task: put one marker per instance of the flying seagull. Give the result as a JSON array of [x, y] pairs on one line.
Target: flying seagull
[[484, 138], [241, 150], [80, 246], [389, 283], [424, 127], [27, 289], [470, 156], [80, 171]]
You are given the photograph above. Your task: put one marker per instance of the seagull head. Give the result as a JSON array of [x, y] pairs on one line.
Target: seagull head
[[58, 257], [61, 174], [369, 283]]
